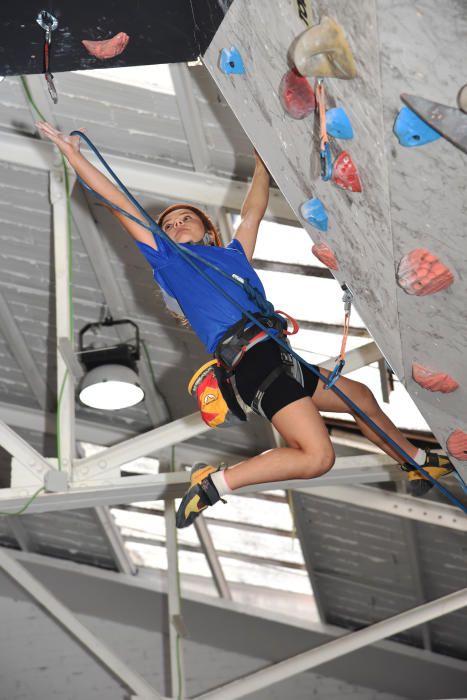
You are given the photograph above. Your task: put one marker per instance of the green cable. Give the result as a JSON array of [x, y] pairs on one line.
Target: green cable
[[26, 505]]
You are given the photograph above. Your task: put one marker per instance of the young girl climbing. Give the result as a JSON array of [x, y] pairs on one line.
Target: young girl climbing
[[265, 376]]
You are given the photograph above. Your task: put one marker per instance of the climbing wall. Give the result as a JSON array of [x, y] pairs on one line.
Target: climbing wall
[[404, 228]]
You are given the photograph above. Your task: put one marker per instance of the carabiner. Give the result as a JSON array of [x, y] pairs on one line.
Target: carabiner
[[334, 376], [326, 162]]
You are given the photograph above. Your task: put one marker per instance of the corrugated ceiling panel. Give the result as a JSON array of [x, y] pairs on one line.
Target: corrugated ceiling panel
[[362, 568], [123, 119], [14, 110], [75, 535]]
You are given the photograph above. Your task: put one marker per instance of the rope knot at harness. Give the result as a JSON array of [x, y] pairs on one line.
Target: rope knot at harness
[[257, 297]]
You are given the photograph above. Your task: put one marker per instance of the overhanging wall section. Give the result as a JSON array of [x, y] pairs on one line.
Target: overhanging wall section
[[359, 229]]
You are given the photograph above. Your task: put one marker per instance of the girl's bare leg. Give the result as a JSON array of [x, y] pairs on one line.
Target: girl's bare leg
[[310, 452], [364, 399]]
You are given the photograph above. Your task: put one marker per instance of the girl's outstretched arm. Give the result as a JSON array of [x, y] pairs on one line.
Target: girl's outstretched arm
[[69, 146], [253, 208]]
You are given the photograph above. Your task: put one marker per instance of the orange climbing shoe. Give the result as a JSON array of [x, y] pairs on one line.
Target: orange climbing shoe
[[201, 494], [437, 465]]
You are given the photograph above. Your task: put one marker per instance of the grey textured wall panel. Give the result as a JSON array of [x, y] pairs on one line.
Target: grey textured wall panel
[[421, 46], [359, 224]]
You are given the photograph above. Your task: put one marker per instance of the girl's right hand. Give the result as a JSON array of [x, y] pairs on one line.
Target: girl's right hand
[[68, 145]]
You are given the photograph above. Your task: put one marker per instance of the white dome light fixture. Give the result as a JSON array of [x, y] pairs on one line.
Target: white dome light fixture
[[111, 381]]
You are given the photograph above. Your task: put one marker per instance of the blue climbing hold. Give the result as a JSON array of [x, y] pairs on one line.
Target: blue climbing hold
[[338, 124], [231, 61], [314, 212], [413, 131]]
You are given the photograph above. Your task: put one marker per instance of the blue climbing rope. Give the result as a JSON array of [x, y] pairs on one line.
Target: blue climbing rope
[[263, 304]]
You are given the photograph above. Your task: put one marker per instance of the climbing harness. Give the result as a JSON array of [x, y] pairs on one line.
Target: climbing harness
[[238, 340], [244, 335], [49, 24], [324, 147], [336, 372], [190, 257]]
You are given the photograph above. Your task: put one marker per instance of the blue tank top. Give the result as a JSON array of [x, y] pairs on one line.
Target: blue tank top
[[209, 313]]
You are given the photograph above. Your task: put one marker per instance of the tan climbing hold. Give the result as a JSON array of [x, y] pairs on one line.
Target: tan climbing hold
[[432, 380], [421, 273], [108, 48], [457, 445], [325, 255], [322, 51]]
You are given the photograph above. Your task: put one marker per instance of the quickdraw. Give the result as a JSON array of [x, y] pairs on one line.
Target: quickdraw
[[324, 148], [336, 372], [48, 23]]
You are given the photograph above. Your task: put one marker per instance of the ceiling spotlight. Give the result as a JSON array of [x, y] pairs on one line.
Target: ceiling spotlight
[[111, 381]]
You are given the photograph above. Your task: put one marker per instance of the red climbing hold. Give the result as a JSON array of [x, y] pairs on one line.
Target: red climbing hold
[[422, 273], [297, 96], [457, 445], [325, 255], [344, 173], [432, 380], [108, 48]]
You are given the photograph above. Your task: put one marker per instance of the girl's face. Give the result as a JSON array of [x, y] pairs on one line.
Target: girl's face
[[184, 226]]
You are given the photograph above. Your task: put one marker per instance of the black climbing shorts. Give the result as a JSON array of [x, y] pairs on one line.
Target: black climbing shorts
[[256, 365]]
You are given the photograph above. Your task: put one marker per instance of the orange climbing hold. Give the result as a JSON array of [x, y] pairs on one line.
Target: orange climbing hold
[[432, 380], [344, 173], [325, 255], [108, 48], [297, 96], [422, 273], [457, 445]]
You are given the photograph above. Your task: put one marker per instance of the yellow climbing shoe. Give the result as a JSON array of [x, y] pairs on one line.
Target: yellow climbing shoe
[[201, 494], [437, 465]]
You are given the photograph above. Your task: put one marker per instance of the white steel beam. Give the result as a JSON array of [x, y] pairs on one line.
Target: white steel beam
[[142, 176], [177, 676], [395, 504], [22, 536], [418, 583], [96, 466], [21, 353], [65, 383], [115, 540], [140, 488], [332, 650], [42, 422], [190, 116], [212, 559], [32, 461], [62, 615], [143, 488]]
